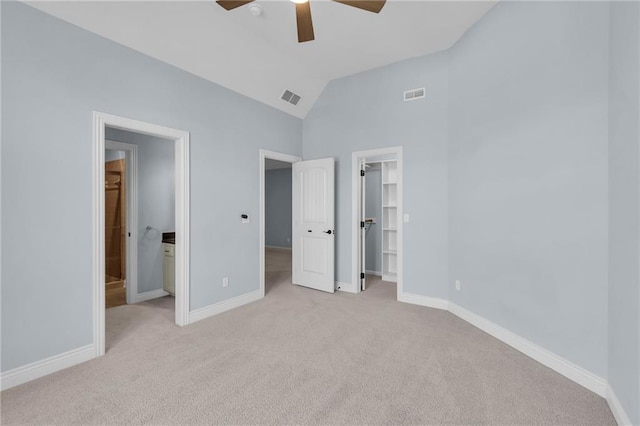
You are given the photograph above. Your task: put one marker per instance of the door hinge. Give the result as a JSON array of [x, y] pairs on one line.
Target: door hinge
[[362, 275], [361, 172]]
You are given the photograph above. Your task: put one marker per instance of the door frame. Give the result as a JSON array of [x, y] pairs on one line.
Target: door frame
[[182, 216], [369, 156], [272, 155], [131, 174]]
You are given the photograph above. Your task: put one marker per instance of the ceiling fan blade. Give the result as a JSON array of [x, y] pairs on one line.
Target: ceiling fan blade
[[232, 4], [305, 25], [374, 6]]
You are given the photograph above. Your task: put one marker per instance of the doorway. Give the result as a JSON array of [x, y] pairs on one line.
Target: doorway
[[180, 146], [278, 223], [276, 226], [377, 214]]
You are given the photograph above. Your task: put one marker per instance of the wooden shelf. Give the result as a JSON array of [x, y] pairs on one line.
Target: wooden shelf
[[390, 219]]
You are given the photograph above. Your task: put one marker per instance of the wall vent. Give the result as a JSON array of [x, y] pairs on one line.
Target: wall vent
[[412, 95], [290, 97]]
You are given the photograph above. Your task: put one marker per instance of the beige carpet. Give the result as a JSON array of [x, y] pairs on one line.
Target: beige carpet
[[300, 356]]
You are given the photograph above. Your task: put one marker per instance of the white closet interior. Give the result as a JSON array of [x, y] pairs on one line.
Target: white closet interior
[[389, 220]]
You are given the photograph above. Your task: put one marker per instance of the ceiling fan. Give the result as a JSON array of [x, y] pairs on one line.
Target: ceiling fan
[[303, 12]]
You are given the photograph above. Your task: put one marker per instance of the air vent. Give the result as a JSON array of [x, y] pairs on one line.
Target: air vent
[[291, 97], [412, 95]]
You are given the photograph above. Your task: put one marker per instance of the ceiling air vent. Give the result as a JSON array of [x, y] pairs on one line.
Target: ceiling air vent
[[412, 95], [290, 97]]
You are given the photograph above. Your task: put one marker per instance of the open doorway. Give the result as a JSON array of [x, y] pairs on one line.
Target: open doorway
[[144, 231], [139, 226], [276, 227], [377, 216], [277, 223]]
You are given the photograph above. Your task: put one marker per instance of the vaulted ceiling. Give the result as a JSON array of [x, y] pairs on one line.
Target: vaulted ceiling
[[259, 56]]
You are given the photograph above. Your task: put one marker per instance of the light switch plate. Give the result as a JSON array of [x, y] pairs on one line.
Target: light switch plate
[[406, 218]]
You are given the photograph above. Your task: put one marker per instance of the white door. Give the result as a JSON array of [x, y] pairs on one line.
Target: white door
[[313, 224], [363, 230]]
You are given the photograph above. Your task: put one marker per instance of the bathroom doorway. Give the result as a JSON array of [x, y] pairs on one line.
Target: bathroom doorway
[[148, 233]]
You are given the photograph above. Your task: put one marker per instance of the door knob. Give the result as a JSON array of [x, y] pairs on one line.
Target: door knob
[[328, 232]]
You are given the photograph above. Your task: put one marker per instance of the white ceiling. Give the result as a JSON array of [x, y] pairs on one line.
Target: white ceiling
[[259, 56]]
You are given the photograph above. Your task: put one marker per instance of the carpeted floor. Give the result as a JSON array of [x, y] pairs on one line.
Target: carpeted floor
[[301, 356]]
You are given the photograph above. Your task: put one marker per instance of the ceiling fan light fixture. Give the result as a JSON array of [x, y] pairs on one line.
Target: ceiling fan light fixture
[[255, 9], [300, 1]]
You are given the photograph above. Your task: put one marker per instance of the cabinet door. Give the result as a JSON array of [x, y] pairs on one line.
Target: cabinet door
[[168, 274]]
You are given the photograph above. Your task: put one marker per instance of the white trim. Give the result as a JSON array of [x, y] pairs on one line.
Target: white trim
[[430, 302], [47, 366], [131, 178], [616, 408], [225, 305], [149, 295], [573, 372], [264, 154], [376, 273], [356, 157], [182, 172], [98, 235], [278, 248], [346, 287], [568, 369]]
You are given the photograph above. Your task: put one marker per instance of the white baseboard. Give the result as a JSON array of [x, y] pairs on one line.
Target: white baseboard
[[616, 408], [148, 295], [218, 308], [278, 248], [568, 369], [47, 366], [430, 302], [346, 287], [376, 273]]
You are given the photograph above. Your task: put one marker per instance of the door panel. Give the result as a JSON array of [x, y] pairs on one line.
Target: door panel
[[313, 224], [363, 231]]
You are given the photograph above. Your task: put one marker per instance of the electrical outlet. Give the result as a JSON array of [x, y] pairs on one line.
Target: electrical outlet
[[458, 285], [225, 282]]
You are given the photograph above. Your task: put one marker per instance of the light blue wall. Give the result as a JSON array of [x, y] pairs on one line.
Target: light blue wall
[[528, 174], [277, 216], [54, 75], [156, 201], [366, 111], [373, 208], [111, 155], [624, 203]]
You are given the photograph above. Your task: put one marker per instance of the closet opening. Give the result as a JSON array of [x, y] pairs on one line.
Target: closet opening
[[377, 220]]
